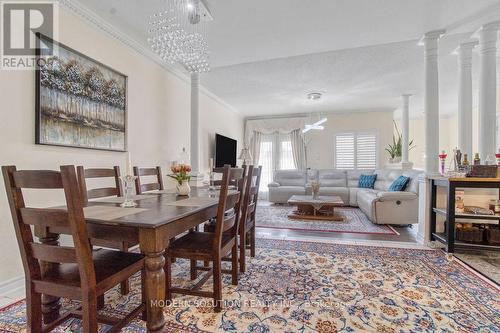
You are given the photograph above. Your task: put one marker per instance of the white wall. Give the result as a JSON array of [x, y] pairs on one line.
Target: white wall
[[320, 151], [158, 114]]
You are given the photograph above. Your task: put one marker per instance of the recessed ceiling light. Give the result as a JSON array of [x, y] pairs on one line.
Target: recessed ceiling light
[[314, 96]]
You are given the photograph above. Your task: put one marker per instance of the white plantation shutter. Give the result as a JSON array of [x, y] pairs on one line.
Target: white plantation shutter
[[366, 151], [356, 151], [344, 151]]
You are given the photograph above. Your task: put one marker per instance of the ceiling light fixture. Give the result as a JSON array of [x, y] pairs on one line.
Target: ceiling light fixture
[[314, 96], [178, 34]]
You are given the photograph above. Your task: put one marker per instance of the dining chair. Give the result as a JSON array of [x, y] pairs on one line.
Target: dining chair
[[238, 184], [74, 272], [143, 172], [210, 246], [102, 192]]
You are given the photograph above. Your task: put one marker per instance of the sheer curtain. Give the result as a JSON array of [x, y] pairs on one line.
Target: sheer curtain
[[266, 160], [255, 147], [298, 149], [276, 153]]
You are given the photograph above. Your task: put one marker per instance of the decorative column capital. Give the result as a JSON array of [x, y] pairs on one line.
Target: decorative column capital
[[487, 36], [492, 26], [466, 47], [406, 97], [431, 36], [464, 52]]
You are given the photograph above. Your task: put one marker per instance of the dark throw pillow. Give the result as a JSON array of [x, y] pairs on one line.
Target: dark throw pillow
[[367, 181], [399, 184]]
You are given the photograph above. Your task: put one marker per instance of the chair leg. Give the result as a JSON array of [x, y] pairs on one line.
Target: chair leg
[[100, 302], [89, 313], [234, 264], [33, 310], [124, 285], [168, 278], [192, 269], [217, 284], [143, 295], [252, 242], [243, 245]]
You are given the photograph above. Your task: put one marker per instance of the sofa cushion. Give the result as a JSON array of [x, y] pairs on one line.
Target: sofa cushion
[[332, 178], [281, 194], [342, 192], [353, 196], [367, 181], [290, 177], [366, 198], [399, 184]]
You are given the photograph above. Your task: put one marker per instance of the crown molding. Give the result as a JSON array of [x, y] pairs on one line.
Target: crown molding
[[77, 8]]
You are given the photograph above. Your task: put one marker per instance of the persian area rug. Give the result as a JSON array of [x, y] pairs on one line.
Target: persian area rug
[[316, 287], [355, 221]]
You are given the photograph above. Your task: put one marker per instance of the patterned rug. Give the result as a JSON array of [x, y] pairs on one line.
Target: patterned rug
[[276, 217], [317, 287]]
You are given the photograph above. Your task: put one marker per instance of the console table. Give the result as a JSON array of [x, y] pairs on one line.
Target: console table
[[451, 184]]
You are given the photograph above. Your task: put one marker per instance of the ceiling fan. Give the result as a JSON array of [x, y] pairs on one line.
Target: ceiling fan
[[315, 126]]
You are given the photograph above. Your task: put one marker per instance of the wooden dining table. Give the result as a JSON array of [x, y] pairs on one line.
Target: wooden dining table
[[157, 218]]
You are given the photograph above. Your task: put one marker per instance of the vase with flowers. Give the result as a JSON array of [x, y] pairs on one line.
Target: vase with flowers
[[181, 173]]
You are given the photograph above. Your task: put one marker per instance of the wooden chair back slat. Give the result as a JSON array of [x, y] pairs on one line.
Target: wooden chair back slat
[[103, 192], [44, 217], [100, 173], [150, 187], [46, 179], [229, 222], [54, 253], [141, 172], [91, 173], [148, 171]]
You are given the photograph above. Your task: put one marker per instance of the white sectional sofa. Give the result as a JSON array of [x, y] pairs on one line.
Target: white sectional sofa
[[379, 205]]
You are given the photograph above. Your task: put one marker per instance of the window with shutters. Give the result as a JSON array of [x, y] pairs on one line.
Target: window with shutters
[[356, 151]]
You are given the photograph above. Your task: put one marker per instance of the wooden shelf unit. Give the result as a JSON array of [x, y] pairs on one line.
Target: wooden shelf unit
[[451, 184]]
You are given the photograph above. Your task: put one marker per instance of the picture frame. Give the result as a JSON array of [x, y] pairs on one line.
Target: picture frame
[[79, 102]]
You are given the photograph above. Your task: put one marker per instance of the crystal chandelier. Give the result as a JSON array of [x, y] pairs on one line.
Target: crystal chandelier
[[178, 34]]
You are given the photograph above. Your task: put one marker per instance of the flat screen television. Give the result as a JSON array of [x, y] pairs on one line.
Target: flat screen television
[[225, 151]]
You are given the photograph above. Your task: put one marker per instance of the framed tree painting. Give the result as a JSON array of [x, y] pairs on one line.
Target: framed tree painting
[[79, 101]]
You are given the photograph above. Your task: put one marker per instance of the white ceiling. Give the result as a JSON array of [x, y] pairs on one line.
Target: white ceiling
[[267, 54]]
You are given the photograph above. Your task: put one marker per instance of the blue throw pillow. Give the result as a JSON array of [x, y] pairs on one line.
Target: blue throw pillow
[[399, 184], [367, 181]]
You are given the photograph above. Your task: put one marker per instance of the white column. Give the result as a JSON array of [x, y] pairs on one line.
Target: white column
[[487, 88], [195, 122], [464, 52], [406, 130], [431, 100]]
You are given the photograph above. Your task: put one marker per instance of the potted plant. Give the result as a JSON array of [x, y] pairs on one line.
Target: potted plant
[[180, 173], [395, 149]]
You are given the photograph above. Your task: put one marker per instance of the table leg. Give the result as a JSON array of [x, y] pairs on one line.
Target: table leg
[[154, 279], [50, 304]]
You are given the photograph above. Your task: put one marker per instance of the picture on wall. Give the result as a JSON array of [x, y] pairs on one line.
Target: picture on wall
[[79, 101]]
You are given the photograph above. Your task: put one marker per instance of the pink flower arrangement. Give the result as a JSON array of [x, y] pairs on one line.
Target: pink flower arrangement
[[180, 172]]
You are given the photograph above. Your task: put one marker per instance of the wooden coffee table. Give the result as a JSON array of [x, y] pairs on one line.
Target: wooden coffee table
[[321, 208]]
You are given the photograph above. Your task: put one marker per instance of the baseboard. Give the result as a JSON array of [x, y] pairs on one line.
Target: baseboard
[[12, 286], [420, 239]]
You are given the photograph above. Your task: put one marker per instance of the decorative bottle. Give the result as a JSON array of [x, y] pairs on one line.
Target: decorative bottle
[[466, 161], [477, 160]]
